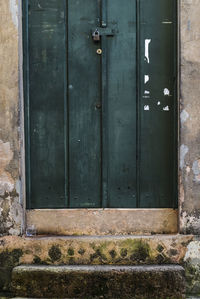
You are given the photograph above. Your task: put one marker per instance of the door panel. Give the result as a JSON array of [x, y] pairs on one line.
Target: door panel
[[121, 106], [45, 98], [157, 137], [100, 129], [83, 99]]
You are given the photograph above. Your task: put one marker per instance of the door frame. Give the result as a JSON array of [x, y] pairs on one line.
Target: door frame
[[102, 221]]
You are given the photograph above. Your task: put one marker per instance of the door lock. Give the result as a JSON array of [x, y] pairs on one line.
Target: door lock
[[96, 36], [98, 32]]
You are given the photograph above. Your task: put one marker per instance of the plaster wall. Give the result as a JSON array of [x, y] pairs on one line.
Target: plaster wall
[[189, 117], [10, 207]]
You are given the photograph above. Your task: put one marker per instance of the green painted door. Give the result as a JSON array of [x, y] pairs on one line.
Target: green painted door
[[100, 115]]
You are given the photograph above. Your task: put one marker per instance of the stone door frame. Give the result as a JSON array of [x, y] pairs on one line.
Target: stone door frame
[[189, 165]]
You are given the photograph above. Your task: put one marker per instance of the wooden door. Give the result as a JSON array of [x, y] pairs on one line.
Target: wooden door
[[100, 116]]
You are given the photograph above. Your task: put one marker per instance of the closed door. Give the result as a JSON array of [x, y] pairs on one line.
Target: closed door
[[100, 103]]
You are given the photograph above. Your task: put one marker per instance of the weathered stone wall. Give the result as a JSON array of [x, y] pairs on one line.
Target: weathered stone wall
[[190, 117], [10, 208], [190, 138], [15, 250], [192, 266]]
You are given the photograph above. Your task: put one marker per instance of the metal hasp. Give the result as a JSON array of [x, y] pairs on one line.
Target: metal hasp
[[98, 32], [100, 80]]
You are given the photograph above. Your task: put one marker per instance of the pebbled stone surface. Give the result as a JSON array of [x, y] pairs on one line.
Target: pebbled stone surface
[[94, 250]]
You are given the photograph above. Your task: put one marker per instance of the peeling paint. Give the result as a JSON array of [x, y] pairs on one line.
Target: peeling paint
[[146, 107], [6, 181], [189, 223], [166, 108], [14, 12], [146, 92], [183, 151], [147, 42], [193, 252], [196, 170], [167, 22], [184, 116], [188, 169], [166, 92], [146, 78]]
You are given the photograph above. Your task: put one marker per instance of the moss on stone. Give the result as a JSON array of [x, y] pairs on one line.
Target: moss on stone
[[160, 248], [70, 251], [123, 252], [81, 251], [98, 255], [55, 253], [10, 258], [138, 249], [112, 253], [173, 252]]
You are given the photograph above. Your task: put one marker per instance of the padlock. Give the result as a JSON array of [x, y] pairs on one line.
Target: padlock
[[96, 36]]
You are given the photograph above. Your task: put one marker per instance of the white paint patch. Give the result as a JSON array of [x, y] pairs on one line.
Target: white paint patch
[[166, 108], [166, 92], [5, 185], [17, 186], [188, 169], [196, 167], [147, 42], [146, 78], [166, 22], [146, 92], [14, 12], [146, 108], [146, 97], [183, 151], [158, 103], [193, 253], [184, 116], [6, 154], [196, 170]]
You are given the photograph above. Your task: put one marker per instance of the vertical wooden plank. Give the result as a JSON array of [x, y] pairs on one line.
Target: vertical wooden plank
[[104, 100], [45, 101], [138, 54], [26, 99], [84, 97], [121, 114], [158, 103]]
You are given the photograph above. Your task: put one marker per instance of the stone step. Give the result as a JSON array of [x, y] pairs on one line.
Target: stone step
[[93, 250], [102, 281]]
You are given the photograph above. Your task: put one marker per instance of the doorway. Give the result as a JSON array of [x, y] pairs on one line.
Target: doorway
[[100, 103]]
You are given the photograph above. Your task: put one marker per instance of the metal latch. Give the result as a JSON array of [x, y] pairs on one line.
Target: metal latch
[[98, 32]]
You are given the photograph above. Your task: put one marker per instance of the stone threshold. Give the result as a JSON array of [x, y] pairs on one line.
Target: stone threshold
[[103, 221]]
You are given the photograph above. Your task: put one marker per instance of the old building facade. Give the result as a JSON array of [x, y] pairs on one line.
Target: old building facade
[[176, 233]]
